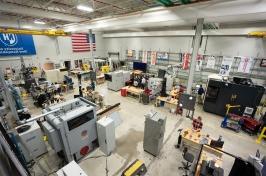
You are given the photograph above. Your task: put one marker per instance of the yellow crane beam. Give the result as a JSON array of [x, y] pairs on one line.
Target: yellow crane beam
[[48, 32], [260, 34]]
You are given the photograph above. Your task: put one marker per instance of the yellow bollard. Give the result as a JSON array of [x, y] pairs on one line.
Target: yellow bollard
[[258, 141]]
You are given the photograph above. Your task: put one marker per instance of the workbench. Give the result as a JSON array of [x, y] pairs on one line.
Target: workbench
[[134, 91], [192, 140], [174, 93], [205, 157], [76, 72], [100, 79], [137, 72], [171, 104]]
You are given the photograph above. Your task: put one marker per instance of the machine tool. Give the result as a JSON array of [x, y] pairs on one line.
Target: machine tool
[[116, 80], [30, 138], [72, 129]]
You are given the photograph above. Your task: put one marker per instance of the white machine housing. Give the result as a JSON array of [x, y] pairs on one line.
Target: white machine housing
[[31, 141], [71, 169], [117, 79], [106, 135], [155, 85], [72, 129]]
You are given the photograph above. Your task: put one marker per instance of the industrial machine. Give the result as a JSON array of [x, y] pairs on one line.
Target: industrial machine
[[30, 139], [154, 133], [155, 85], [219, 93], [71, 128], [116, 80]]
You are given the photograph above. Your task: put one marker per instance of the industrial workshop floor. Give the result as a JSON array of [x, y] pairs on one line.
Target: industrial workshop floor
[[129, 141]]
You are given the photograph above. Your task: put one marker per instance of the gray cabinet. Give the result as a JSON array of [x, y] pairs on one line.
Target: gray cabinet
[[154, 133]]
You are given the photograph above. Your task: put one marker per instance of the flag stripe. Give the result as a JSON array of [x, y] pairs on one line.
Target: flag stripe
[[81, 43]]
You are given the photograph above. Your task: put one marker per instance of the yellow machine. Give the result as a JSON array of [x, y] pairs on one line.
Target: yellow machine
[[85, 67], [105, 69], [137, 168], [228, 107]]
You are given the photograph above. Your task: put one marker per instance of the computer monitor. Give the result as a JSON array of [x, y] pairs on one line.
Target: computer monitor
[[140, 66], [217, 144], [161, 73]]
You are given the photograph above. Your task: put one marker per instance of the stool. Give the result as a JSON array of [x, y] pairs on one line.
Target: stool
[[258, 141]]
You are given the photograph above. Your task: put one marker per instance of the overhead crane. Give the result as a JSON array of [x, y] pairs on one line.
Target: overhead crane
[[47, 32]]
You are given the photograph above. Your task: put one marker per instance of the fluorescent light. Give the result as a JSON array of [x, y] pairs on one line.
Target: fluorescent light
[[39, 22], [26, 27], [85, 8]]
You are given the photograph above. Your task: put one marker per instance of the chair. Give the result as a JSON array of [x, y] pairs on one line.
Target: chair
[[189, 158]]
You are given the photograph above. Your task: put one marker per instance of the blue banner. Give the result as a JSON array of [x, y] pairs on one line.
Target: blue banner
[[16, 45]]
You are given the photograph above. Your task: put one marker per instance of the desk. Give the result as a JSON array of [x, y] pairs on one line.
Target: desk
[[134, 90], [192, 139], [76, 72], [137, 72], [100, 79], [218, 163], [174, 93], [172, 103]]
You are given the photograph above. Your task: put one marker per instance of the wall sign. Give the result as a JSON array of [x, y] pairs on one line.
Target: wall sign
[[263, 63], [211, 62], [226, 66], [162, 55], [144, 56], [245, 64], [16, 45], [153, 57]]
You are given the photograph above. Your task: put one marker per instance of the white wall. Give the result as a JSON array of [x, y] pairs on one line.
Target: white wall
[[215, 45], [172, 44], [236, 46], [212, 45], [46, 48]]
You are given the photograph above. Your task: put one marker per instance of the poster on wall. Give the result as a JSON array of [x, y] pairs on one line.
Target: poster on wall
[[16, 45], [185, 63], [130, 53], [144, 56], [153, 57], [226, 66], [263, 63], [245, 64], [162, 55], [210, 62], [199, 62]]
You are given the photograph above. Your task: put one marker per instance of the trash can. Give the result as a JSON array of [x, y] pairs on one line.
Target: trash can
[[123, 92], [145, 99]]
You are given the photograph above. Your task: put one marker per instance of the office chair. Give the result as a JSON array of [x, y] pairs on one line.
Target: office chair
[[189, 158]]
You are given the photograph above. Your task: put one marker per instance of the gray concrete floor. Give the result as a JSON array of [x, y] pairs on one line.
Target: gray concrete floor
[[129, 140]]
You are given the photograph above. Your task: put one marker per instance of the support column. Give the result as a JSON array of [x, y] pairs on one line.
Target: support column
[[196, 45], [91, 49]]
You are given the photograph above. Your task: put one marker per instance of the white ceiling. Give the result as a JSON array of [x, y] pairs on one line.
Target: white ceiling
[[132, 15], [219, 11]]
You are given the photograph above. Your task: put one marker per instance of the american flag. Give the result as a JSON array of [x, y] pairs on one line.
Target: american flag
[[81, 42]]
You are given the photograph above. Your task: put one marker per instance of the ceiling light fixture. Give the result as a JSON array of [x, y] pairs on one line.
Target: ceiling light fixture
[[39, 22], [27, 27], [85, 8]]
